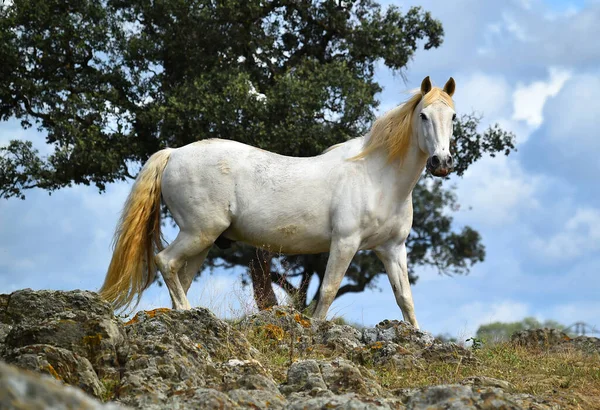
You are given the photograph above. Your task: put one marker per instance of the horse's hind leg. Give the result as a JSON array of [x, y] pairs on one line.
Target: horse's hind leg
[[191, 268], [174, 257]]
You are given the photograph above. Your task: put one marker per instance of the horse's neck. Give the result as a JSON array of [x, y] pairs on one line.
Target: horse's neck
[[399, 176]]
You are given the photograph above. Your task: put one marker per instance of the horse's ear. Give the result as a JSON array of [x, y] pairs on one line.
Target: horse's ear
[[450, 87], [425, 85]]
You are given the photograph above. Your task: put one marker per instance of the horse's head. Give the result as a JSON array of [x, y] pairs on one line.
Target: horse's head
[[434, 118]]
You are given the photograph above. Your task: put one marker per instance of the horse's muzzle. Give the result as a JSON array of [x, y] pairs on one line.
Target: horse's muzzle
[[440, 167]]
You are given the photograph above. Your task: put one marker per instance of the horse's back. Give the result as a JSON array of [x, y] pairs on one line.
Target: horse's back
[[265, 198]]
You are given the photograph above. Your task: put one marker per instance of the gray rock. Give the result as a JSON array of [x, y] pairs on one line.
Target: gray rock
[[555, 340], [197, 399], [304, 376], [284, 317], [585, 344], [343, 376], [173, 351], [342, 337], [339, 376], [398, 332], [6, 321], [543, 338], [246, 374], [257, 399], [348, 401], [22, 389], [159, 359], [389, 342], [455, 397], [458, 397], [59, 363], [78, 321], [381, 353], [448, 352]]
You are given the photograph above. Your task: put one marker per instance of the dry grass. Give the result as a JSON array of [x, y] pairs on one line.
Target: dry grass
[[569, 378]]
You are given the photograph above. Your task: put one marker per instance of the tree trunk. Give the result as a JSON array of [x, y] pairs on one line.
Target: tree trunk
[[260, 272], [301, 299]]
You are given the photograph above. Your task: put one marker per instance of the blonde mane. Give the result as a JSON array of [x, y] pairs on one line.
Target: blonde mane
[[393, 130]]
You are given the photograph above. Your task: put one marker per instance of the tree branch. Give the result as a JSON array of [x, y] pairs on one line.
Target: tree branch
[[357, 287], [33, 113]]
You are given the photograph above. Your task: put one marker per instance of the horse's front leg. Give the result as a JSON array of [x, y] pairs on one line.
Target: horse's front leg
[[394, 260], [340, 255]]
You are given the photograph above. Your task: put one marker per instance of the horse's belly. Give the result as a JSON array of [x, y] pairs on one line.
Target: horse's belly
[[286, 238]]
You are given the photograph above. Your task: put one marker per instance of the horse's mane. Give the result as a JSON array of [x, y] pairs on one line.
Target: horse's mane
[[392, 131]]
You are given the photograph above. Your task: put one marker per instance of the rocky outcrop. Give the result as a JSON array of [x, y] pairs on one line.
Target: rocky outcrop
[[72, 336], [389, 341], [22, 389], [171, 352], [165, 359], [457, 396], [554, 340]]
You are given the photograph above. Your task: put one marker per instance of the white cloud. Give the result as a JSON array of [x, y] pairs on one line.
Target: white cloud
[[570, 11], [517, 108], [259, 96], [145, 101], [483, 93], [529, 100], [506, 37], [498, 191], [578, 311], [574, 114], [559, 41], [132, 28], [514, 27], [568, 142], [480, 313], [526, 4], [579, 236]]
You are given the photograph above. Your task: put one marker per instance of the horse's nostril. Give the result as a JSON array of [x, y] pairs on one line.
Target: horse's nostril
[[435, 161], [449, 161]]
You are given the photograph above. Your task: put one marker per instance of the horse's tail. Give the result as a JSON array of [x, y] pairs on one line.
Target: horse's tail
[[137, 237]]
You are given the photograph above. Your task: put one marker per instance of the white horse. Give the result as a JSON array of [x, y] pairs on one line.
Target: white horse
[[354, 196]]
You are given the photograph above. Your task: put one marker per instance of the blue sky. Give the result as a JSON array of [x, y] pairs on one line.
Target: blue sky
[[530, 65]]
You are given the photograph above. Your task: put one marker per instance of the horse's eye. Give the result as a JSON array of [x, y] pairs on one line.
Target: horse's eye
[[453, 117], [423, 116]]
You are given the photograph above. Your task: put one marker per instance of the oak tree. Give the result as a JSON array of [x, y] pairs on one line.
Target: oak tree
[[110, 82]]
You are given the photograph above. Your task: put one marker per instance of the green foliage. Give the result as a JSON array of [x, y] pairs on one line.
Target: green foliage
[[501, 331], [110, 82], [470, 144], [18, 164], [113, 81], [476, 343]]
